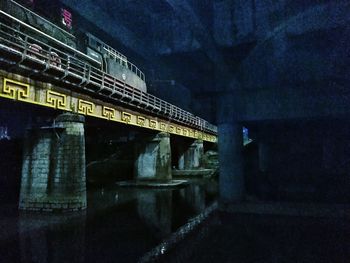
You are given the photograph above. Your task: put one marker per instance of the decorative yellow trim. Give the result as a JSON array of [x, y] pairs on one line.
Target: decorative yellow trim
[[153, 124], [86, 107], [15, 90], [185, 132], [162, 126], [141, 121], [46, 95], [126, 117], [171, 128], [108, 113], [56, 100]]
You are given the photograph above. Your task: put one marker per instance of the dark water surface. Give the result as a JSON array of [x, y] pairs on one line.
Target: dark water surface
[[120, 225], [253, 238]]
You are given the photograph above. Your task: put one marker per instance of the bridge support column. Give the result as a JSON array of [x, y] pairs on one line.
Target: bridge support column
[[191, 157], [53, 171], [264, 154], [231, 179], [153, 158]]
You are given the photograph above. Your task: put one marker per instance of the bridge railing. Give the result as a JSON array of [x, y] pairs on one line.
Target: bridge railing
[[123, 59], [69, 67]]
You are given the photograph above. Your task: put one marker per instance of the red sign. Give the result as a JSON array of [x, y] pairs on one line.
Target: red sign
[[66, 18]]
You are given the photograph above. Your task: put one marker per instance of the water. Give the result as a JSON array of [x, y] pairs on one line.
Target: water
[[120, 225], [247, 238]]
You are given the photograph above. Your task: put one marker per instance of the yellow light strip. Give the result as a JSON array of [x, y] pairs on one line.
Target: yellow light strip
[[47, 97]]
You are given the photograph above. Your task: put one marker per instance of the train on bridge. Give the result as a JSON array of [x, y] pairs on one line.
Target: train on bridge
[[58, 51]]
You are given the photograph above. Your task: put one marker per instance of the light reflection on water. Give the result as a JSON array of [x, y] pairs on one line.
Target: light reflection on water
[[120, 224]]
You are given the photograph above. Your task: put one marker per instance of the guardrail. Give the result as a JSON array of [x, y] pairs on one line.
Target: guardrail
[[24, 51], [124, 59]]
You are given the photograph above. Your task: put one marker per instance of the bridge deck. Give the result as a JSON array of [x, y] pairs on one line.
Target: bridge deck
[[69, 71], [19, 88]]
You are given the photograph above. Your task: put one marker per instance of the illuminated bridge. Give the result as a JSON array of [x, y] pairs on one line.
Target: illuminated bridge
[[60, 77], [66, 82]]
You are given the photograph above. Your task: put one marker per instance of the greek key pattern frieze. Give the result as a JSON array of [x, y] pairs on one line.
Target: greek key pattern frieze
[[15, 90], [56, 100], [108, 113], [86, 107], [50, 96]]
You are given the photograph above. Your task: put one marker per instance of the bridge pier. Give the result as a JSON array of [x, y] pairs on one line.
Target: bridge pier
[[191, 156], [264, 156], [53, 170], [231, 179], [153, 158]]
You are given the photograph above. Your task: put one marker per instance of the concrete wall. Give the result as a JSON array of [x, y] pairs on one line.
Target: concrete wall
[[298, 66], [191, 156], [310, 162], [153, 157]]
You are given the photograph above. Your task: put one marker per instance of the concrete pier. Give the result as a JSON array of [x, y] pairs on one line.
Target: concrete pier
[[53, 171], [231, 162], [191, 156], [264, 156], [153, 158]]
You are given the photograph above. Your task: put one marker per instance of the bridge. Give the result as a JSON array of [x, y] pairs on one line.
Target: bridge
[[54, 165], [63, 86]]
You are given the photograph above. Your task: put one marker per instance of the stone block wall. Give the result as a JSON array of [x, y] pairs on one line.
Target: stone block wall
[[53, 171]]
